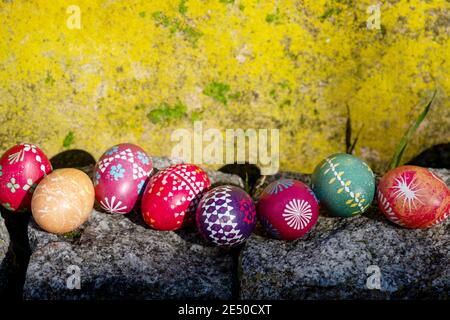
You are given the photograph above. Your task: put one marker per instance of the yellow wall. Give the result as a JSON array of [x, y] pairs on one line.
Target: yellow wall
[[292, 65]]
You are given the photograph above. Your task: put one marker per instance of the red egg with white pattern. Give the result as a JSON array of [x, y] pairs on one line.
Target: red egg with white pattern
[[120, 176], [172, 195], [288, 209], [21, 168], [413, 197]]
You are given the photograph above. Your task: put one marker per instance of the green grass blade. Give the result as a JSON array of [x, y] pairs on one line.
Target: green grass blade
[[395, 162], [247, 185], [352, 147]]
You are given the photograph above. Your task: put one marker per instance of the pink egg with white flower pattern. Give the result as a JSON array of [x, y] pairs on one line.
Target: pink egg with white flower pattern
[[120, 176], [288, 209], [21, 168]]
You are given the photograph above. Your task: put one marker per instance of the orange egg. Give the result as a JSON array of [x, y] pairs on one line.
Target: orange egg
[[413, 197], [63, 200]]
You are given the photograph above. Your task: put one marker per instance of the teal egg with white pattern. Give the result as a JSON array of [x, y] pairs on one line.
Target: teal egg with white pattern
[[344, 185]]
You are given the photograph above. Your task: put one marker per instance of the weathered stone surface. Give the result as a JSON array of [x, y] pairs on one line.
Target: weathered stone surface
[[219, 178], [333, 261], [444, 174], [163, 162], [120, 257], [4, 260]]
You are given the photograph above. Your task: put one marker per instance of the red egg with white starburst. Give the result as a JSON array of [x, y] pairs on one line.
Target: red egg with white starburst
[[413, 197], [172, 195], [120, 176], [21, 168], [288, 209]]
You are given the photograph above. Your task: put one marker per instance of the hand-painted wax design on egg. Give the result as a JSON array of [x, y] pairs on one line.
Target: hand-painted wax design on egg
[[344, 185], [63, 200], [413, 197], [288, 209], [172, 195], [21, 169], [119, 177], [226, 216]]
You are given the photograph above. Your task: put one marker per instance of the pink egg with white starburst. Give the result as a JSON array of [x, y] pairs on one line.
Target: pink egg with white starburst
[[21, 168], [120, 176], [413, 197], [288, 209]]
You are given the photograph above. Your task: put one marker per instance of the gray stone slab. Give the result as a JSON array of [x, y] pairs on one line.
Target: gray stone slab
[[120, 257], [340, 256], [4, 259]]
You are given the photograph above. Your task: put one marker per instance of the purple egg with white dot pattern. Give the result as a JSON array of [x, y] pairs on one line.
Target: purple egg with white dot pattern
[[226, 216]]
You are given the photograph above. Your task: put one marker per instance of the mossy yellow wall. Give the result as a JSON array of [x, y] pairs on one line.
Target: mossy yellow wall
[[292, 65]]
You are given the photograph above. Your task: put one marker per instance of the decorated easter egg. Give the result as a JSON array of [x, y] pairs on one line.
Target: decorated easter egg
[[413, 197], [344, 185], [172, 195], [63, 200], [119, 177], [288, 209], [21, 169], [226, 216]]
